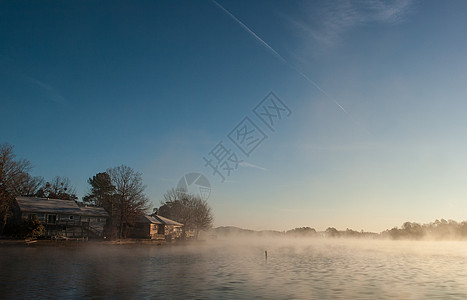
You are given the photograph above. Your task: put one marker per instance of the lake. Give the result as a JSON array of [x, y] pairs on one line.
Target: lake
[[237, 269]]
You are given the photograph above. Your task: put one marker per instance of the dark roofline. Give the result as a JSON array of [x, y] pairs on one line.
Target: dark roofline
[[57, 206], [166, 221], [155, 219]]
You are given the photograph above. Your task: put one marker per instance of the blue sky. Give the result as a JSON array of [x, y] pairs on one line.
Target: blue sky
[[376, 90]]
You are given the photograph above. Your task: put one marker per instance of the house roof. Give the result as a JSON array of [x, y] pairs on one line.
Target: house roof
[[155, 219], [93, 211], [45, 205], [57, 206]]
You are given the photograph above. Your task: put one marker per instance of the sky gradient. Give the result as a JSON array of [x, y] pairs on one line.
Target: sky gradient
[[377, 94]]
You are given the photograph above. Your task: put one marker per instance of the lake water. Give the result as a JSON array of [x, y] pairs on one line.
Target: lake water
[[295, 269]]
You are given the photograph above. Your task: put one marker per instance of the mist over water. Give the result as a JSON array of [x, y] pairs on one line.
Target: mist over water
[[237, 269]]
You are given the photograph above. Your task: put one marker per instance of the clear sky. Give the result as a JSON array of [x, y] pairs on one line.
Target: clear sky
[[376, 91]]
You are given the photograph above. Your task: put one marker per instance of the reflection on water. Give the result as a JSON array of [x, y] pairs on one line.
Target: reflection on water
[[295, 269]]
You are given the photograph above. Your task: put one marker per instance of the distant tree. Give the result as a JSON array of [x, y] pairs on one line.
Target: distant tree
[[463, 229], [412, 230], [439, 229], [13, 174], [332, 232], [129, 197], [193, 212], [58, 188], [394, 233], [349, 233], [302, 231]]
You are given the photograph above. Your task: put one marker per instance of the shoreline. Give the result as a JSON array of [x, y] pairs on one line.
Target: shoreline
[[82, 242]]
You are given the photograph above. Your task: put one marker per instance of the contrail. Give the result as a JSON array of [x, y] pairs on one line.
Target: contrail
[[246, 164], [250, 32], [280, 57]]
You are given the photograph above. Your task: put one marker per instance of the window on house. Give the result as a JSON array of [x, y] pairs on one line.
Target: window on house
[[160, 229], [51, 219], [71, 217]]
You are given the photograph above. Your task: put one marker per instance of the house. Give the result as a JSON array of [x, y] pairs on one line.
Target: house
[[156, 227], [63, 217], [93, 219]]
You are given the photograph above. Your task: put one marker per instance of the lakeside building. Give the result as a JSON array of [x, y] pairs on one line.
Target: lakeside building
[[156, 227], [64, 218]]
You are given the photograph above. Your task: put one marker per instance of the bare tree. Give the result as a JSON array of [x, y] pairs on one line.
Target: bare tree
[[174, 194], [176, 206], [12, 176], [201, 215], [58, 188], [130, 200], [31, 185], [187, 209]]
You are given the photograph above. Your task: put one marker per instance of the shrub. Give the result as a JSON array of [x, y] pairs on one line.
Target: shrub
[[32, 228]]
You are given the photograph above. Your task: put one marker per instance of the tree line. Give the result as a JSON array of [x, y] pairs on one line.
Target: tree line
[[438, 230], [119, 190]]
